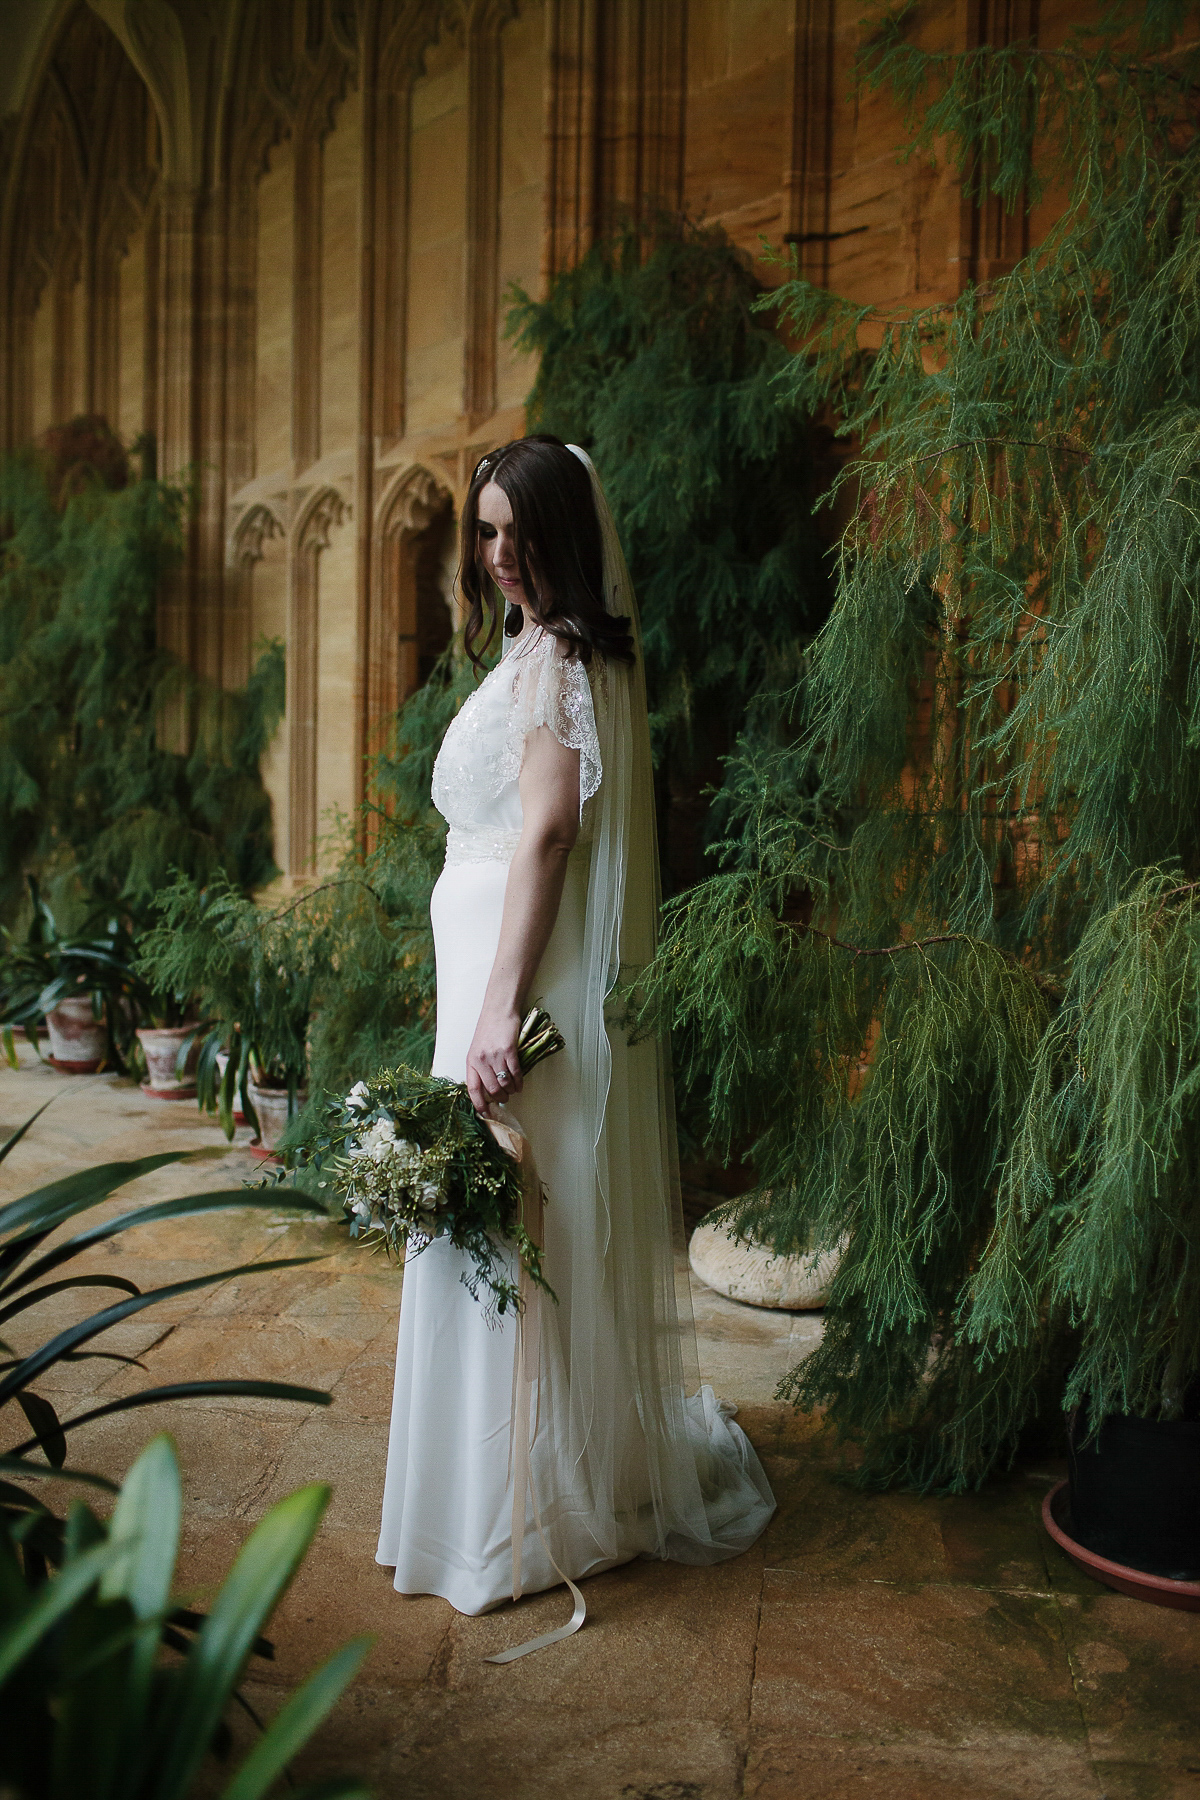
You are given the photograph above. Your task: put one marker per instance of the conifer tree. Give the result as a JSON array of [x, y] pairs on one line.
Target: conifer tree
[[947, 985], [90, 800], [653, 358]]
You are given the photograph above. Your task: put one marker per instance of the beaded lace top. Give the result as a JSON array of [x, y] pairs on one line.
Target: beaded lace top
[[478, 766]]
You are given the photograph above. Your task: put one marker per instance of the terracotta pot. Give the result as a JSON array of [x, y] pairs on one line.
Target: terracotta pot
[[78, 1041], [271, 1105], [161, 1047]]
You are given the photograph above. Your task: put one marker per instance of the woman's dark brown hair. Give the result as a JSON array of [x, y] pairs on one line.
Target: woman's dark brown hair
[[557, 540]]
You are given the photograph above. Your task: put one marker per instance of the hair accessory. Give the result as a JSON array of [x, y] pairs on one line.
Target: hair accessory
[[514, 621]]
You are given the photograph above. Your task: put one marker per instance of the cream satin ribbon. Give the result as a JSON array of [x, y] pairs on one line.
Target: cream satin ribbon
[[526, 1365]]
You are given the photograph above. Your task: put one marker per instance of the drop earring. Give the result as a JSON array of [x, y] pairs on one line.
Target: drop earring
[[514, 621]]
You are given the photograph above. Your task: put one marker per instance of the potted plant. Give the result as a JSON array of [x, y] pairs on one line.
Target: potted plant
[[170, 1044], [971, 839], [253, 975], [84, 987]]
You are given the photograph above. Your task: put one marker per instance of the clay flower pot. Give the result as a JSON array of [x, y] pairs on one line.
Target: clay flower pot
[[161, 1045], [271, 1105], [78, 1040]]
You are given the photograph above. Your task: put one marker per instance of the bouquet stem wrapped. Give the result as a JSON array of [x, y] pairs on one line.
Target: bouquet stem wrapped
[[412, 1161]]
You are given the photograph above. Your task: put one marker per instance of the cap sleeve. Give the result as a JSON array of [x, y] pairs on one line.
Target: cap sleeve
[[554, 690]]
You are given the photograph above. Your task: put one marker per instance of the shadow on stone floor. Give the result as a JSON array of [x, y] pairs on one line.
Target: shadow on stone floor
[[870, 1645]]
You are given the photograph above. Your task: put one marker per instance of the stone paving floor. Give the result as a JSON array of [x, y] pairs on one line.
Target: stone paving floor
[[870, 1645]]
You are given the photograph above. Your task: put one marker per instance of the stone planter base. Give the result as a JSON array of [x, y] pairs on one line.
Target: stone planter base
[[751, 1273], [78, 1041]]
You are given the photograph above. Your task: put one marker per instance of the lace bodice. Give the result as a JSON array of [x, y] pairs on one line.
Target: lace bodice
[[478, 766]]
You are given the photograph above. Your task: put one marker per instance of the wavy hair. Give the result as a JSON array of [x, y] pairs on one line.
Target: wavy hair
[[557, 541]]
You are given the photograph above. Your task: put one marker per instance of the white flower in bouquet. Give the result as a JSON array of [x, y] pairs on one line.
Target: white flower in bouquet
[[379, 1140], [450, 1176]]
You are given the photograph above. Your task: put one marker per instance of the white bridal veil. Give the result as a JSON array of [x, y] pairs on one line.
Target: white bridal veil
[[631, 1454]]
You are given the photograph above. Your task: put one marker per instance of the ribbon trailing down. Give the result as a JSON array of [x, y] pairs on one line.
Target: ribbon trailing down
[[526, 1367]]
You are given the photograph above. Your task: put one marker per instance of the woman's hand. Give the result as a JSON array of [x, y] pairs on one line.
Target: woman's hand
[[493, 1066]]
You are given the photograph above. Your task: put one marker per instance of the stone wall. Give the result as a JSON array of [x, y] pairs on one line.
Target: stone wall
[[270, 239]]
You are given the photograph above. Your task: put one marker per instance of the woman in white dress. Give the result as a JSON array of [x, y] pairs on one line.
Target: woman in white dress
[[507, 1473]]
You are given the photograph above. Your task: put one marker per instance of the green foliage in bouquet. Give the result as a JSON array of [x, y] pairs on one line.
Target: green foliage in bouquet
[[653, 358], [110, 1690], [90, 799], [947, 985], [411, 1160]]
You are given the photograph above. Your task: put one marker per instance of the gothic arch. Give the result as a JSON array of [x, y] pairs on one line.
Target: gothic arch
[[411, 622], [319, 517], [257, 526], [88, 154]]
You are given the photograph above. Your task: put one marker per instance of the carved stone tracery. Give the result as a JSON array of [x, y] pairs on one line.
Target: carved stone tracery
[[411, 524]]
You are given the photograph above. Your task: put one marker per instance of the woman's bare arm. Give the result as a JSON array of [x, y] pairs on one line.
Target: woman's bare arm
[[549, 787]]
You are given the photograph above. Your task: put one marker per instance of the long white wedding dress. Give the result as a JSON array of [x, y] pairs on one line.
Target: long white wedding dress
[[628, 1454]]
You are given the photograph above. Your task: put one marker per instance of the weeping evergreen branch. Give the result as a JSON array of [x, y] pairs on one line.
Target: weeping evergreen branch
[[943, 991]]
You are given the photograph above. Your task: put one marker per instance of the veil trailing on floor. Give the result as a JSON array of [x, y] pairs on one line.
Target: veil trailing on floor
[[643, 1460]]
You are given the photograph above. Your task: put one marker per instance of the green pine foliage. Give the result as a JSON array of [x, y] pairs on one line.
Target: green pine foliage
[[91, 801], [653, 358], [945, 987]]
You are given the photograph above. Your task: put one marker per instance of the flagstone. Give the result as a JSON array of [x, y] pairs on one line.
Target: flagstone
[[1137, 1678], [938, 1662], [872, 1645], [824, 1527], [667, 1639], [785, 1766]]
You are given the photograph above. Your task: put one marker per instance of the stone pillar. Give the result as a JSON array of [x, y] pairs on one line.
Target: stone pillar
[[176, 432], [807, 178], [484, 77], [571, 109], [393, 37], [993, 239]]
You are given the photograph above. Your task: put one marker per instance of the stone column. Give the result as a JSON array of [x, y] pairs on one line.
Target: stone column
[[806, 179], [393, 37]]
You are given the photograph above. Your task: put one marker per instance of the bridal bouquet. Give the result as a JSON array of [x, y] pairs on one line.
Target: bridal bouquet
[[412, 1161]]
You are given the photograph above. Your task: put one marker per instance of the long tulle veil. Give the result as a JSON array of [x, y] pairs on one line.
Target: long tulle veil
[[652, 1454]]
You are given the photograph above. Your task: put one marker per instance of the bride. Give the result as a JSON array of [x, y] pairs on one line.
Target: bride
[[525, 1453]]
